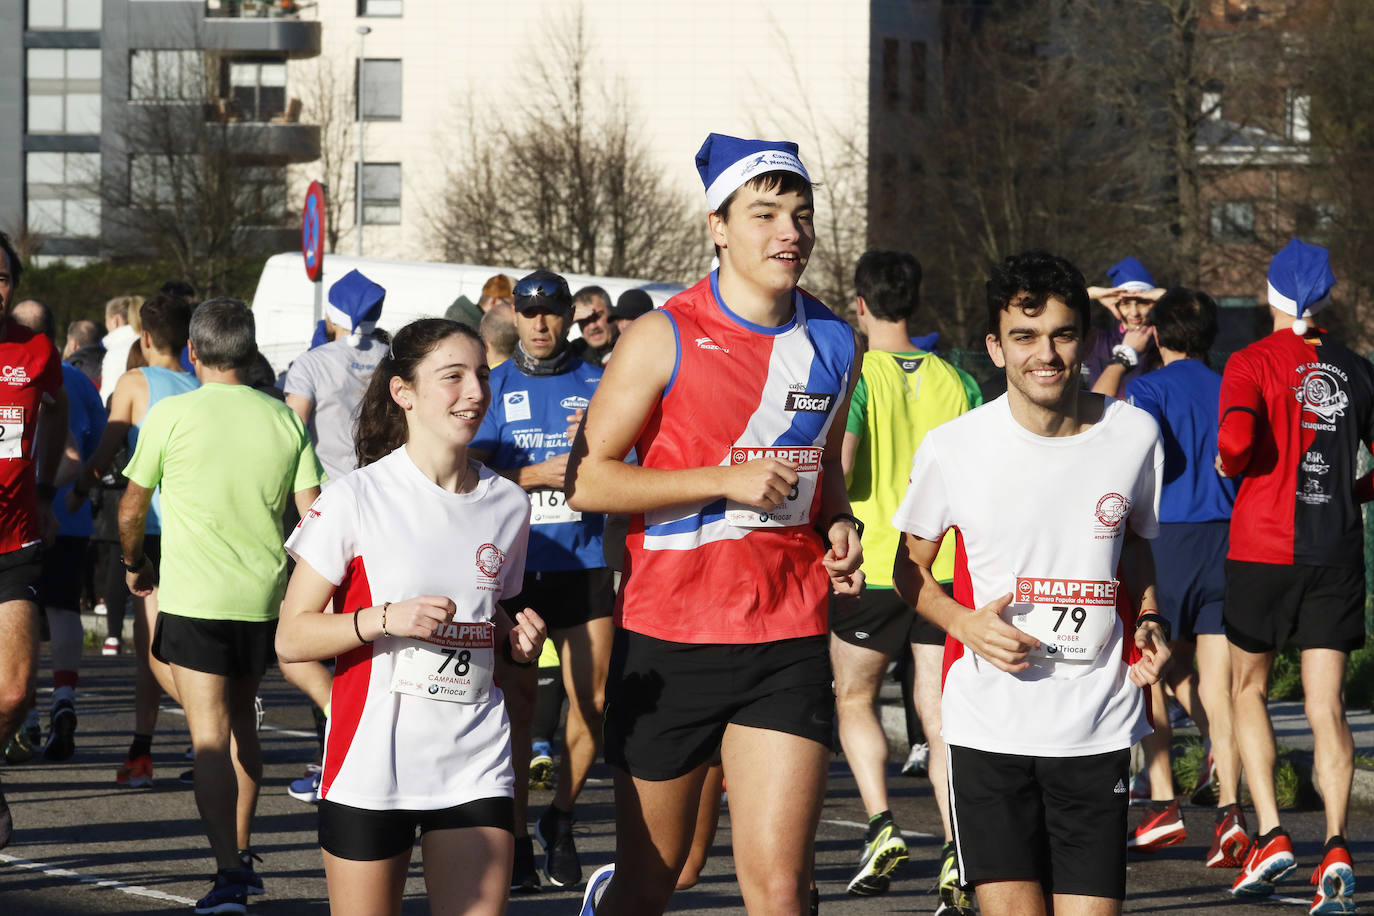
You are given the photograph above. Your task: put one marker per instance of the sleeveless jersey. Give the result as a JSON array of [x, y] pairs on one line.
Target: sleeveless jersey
[[905, 397], [162, 383], [29, 369], [738, 391]]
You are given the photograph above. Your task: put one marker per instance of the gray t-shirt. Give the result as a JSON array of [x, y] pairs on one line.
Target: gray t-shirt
[[334, 377]]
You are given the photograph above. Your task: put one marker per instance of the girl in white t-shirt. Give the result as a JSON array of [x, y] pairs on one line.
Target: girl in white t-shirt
[[399, 569]]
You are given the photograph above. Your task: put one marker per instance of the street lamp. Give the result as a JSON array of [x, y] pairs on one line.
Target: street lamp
[[363, 31]]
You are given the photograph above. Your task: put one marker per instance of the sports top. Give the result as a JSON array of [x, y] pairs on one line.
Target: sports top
[[1294, 411], [29, 369], [387, 533], [1182, 397], [738, 391], [86, 423], [1052, 508], [227, 458], [162, 383], [334, 377], [898, 398], [527, 423]]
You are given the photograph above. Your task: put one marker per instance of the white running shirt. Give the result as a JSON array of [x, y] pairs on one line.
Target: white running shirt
[[1032, 506], [387, 532]]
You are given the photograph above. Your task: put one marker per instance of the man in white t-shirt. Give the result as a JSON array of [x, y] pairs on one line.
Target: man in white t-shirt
[[1053, 628]]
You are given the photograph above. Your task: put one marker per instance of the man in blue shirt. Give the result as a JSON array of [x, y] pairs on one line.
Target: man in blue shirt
[[526, 436]]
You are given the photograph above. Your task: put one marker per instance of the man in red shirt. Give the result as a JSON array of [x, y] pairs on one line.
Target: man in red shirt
[[30, 389]]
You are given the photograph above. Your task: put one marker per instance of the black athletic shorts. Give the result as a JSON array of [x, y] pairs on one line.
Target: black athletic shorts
[[20, 572], [667, 703], [64, 565], [364, 835], [566, 599], [1314, 607], [882, 621], [231, 648], [1060, 821], [1190, 576]]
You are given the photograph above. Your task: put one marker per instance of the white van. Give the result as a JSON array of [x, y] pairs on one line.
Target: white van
[[284, 303]]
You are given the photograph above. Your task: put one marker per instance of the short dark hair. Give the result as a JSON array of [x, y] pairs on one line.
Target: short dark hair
[[179, 289], [782, 181], [592, 292], [889, 282], [1185, 320], [83, 332], [224, 334], [167, 319], [12, 256], [1029, 279]]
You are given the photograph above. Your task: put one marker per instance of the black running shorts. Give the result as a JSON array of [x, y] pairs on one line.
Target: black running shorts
[[1190, 576], [1269, 605], [230, 648], [882, 621], [64, 569], [364, 835], [667, 703], [566, 599], [20, 571], [1060, 821]]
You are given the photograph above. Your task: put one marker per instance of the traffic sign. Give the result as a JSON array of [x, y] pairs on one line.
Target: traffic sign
[[312, 230]]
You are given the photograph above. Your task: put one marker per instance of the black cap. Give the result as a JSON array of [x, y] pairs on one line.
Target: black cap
[[542, 289], [631, 304]]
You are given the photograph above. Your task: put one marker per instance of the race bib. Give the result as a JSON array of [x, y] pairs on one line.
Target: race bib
[[550, 507], [454, 664], [796, 509], [1072, 618], [11, 432]]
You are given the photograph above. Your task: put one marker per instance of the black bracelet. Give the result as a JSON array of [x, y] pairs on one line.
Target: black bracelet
[[510, 658], [842, 516], [356, 614], [136, 565], [1159, 619]]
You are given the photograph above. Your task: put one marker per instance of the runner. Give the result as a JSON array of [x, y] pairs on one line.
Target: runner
[[541, 389], [900, 396], [30, 391], [1295, 408], [1052, 491], [741, 527], [413, 551]]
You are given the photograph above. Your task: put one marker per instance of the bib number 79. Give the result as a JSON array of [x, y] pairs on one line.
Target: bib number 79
[[1078, 616]]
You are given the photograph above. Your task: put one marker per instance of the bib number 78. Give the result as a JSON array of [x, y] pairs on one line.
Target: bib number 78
[[463, 665]]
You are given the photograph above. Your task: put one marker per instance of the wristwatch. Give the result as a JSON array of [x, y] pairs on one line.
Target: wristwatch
[[1124, 355], [137, 565], [845, 516], [1159, 619]]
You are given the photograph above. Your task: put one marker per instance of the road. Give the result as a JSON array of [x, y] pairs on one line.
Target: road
[[83, 846]]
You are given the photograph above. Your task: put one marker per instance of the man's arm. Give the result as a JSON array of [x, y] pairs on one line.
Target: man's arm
[[133, 513], [1241, 401], [548, 474], [845, 554], [305, 499], [115, 435], [599, 480], [52, 426], [303, 406], [1138, 577]]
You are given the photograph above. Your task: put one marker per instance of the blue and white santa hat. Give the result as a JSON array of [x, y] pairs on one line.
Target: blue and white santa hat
[[355, 303], [1129, 274], [726, 163], [1300, 280]]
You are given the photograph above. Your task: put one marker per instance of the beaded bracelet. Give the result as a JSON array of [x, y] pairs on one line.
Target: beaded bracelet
[[384, 607]]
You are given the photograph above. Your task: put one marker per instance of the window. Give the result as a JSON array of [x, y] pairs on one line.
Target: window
[[1233, 221], [258, 90], [154, 179], [63, 200], [381, 193], [166, 76], [1211, 101], [379, 7], [1296, 113], [381, 90], [64, 14], [890, 65], [63, 90], [918, 76]]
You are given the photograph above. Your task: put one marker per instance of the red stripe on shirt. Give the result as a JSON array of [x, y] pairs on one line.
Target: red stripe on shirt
[[352, 674]]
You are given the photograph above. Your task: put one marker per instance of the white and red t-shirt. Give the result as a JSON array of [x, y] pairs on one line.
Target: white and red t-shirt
[[1051, 512], [387, 532], [29, 369]]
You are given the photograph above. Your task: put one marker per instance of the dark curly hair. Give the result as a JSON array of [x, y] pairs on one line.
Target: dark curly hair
[[1185, 321], [1029, 279]]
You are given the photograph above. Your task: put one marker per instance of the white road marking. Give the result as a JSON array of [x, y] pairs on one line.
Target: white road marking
[[291, 732], [120, 886], [914, 834]]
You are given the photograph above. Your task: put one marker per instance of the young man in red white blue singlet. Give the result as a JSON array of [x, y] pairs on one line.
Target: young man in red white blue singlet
[[740, 530]]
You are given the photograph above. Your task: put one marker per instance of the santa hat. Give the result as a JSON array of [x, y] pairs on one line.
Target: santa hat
[[1129, 274], [1300, 278], [726, 163], [355, 303]]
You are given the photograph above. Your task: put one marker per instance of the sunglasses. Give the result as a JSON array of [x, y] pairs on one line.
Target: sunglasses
[[542, 288]]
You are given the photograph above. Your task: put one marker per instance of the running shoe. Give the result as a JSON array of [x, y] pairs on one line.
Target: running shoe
[[918, 761], [561, 864], [135, 772], [883, 852], [100, 610], [229, 895], [815, 900], [61, 732], [541, 766], [1268, 862], [6, 821], [1205, 792], [1162, 826], [252, 883], [524, 874], [1335, 880], [1140, 788], [306, 789], [187, 777], [1232, 840], [111, 646], [259, 710], [21, 747], [596, 887], [954, 897]]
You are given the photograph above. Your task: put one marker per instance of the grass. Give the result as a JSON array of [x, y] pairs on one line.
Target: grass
[[1285, 679], [1189, 756]]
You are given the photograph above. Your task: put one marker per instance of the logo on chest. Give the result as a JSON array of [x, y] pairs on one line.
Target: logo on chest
[[517, 406], [706, 343], [489, 561], [806, 402], [1111, 511], [15, 376]]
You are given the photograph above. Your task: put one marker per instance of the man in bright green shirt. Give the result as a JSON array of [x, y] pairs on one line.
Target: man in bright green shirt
[[901, 394], [226, 457]]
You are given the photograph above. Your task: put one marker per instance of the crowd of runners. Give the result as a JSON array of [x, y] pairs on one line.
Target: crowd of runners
[[712, 530]]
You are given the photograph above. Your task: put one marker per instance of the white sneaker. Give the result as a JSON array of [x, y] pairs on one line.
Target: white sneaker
[[111, 646], [100, 610], [596, 887], [918, 761]]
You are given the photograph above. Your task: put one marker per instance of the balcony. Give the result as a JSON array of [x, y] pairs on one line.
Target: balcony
[[258, 26]]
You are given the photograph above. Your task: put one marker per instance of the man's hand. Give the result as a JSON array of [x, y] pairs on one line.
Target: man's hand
[[575, 422], [143, 580], [1221, 469], [551, 473], [1139, 339], [1154, 654], [993, 639], [764, 483], [843, 559]]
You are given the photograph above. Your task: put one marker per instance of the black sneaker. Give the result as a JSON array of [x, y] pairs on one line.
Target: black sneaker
[[61, 732], [561, 864], [252, 883], [229, 895], [187, 777], [524, 875]]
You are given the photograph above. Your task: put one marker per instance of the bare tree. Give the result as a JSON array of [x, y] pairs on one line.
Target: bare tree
[[327, 101]]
